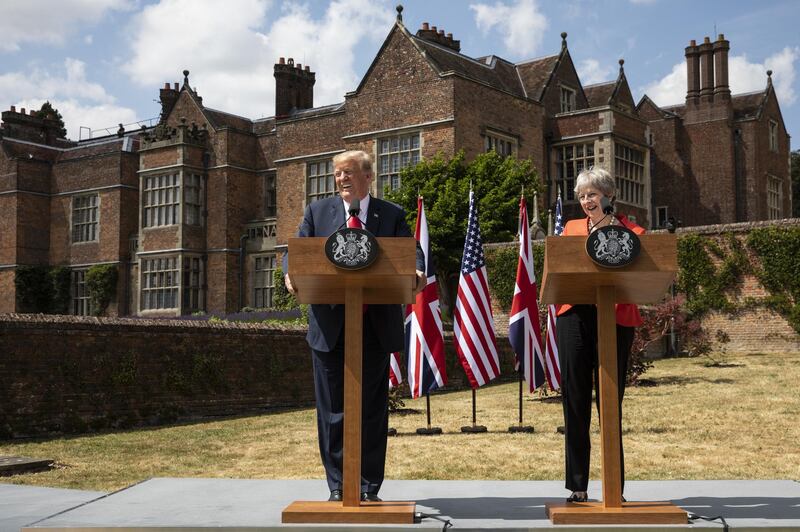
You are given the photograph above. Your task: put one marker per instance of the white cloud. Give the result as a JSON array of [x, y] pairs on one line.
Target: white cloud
[[231, 52], [80, 101], [521, 24], [43, 21], [590, 71], [743, 76], [643, 2]]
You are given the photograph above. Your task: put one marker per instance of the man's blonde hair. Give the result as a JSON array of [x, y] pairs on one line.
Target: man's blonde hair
[[361, 157]]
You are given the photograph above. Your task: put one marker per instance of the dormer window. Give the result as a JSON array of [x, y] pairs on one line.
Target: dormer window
[[567, 99]]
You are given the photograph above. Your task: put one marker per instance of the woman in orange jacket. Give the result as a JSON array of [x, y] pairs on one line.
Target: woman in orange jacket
[[576, 328]]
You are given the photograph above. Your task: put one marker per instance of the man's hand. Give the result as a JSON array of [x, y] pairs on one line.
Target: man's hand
[[422, 281], [288, 284]]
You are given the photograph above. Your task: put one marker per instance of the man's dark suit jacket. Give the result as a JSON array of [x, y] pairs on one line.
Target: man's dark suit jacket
[[326, 322]]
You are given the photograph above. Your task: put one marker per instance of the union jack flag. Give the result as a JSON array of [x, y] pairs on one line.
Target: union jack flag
[[395, 376], [424, 336], [553, 369], [523, 322], [473, 323]]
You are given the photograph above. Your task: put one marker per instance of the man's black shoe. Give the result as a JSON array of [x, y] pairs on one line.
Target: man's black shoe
[[370, 497], [336, 496]]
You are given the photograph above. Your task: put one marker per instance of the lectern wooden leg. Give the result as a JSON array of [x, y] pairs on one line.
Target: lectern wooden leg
[[611, 510], [611, 452], [351, 509], [351, 467]]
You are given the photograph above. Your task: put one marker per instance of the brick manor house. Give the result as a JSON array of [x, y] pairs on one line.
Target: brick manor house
[[196, 210]]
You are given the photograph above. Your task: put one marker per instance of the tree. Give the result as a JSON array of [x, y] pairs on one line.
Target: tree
[[795, 165], [497, 182], [48, 111]]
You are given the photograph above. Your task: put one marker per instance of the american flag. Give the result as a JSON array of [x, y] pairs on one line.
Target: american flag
[[473, 324], [553, 370], [395, 376], [424, 336], [523, 322]]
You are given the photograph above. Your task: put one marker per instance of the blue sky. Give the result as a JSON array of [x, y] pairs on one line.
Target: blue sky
[[101, 62]]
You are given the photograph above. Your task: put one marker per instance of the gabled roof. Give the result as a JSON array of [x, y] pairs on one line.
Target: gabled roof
[[536, 73], [492, 71], [647, 102], [599, 94], [748, 105], [220, 119]]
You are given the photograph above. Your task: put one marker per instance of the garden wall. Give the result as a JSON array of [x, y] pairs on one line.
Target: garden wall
[[62, 374]]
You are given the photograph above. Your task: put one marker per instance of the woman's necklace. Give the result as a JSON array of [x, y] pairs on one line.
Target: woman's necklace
[[593, 225]]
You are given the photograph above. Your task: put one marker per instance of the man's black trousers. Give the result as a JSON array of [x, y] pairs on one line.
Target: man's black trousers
[[329, 390]]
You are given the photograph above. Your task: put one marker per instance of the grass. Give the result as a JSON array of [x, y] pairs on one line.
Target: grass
[[733, 421]]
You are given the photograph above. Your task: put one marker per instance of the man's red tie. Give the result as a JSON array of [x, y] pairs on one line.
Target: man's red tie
[[354, 223]]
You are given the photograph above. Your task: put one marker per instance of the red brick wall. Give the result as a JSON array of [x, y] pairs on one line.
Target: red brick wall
[[73, 375], [478, 107], [70, 375]]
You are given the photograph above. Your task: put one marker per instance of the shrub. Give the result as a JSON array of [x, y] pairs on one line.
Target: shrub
[[34, 288], [101, 285]]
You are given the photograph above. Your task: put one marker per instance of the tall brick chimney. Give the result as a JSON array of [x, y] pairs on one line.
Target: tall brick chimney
[[168, 97], [706, 71], [294, 87], [721, 89], [30, 127], [692, 73], [430, 33]]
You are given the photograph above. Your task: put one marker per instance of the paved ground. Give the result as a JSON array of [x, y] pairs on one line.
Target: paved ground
[[230, 504]]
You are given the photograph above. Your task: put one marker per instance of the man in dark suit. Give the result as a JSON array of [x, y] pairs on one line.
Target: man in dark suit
[[383, 329]]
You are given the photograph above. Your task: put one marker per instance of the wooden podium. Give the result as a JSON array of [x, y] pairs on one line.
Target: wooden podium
[[570, 276], [389, 280]]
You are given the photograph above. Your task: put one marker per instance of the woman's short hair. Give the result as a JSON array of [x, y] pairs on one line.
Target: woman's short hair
[[596, 178], [361, 157]]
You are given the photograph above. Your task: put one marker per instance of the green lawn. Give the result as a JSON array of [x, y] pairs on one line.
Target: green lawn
[[737, 421]]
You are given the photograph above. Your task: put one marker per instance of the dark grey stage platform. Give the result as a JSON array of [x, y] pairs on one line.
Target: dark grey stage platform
[[167, 504]]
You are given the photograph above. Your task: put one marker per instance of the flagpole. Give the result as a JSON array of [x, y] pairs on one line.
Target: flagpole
[[473, 428], [428, 431], [520, 427]]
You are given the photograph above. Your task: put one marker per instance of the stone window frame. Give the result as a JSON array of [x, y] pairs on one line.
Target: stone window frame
[[80, 304], [316, 177], [774, 197], [390, 149], [85, 218], [629, 174], [193, 199], [567, 98], [503, 144], [569, 161], [264, 266], [193, 286], [161, 199], [159, 283], [773, 135]]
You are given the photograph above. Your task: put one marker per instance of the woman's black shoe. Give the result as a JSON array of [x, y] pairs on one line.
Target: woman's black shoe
[[578, 496]]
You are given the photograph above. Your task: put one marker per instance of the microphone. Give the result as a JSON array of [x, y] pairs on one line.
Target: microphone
[[353, 211], [355, 208], [606, 205]]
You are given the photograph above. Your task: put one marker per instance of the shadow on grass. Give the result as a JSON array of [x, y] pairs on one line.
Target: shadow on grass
[[680, 380]]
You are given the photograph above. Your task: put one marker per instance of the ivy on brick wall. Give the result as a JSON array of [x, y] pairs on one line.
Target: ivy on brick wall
[[778, 270], [101, 285], [705, 284], [60, 277]]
